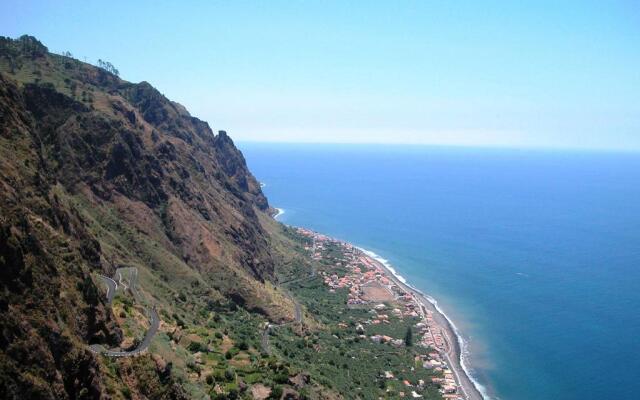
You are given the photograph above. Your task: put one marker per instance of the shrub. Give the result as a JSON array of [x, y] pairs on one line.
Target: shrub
[[281, 378], [408, 337], [229, 374], [276, 392], [194, 367], [194, 347], [218, 376], [233, 394], [304, 394]]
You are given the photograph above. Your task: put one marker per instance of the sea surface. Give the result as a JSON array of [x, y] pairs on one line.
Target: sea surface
[[535, 255]]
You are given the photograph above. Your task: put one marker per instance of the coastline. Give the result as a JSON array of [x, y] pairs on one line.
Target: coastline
[[279, 213], [472, 389], [455, 345]]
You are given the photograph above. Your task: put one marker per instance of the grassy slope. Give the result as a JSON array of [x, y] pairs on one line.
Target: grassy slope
[[327, 346], [208, 346]]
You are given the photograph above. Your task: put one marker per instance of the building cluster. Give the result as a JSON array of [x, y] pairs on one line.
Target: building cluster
[[445, 378], [432, 335], [410, 387], [363, 273]]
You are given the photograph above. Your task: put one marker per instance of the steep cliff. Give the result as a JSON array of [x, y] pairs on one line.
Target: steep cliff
[[97, 173]]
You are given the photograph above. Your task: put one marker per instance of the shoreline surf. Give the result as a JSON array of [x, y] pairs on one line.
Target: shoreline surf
[[517, 265], [472, 388], [458, 360], [279, 213]]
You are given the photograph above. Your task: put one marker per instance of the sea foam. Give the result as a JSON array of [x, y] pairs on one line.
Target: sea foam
[[464, 347]]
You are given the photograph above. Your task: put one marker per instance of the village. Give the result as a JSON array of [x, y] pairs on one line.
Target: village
[[368, 285]]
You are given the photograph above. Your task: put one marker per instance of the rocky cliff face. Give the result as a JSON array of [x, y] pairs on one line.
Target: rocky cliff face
[[97, 173], [48, 301]]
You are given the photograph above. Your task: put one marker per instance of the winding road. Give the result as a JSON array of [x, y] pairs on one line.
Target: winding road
[[154, 318], [112, 286]]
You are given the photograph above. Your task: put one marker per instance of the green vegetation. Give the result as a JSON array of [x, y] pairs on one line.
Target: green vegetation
[[333, 354], [100, 174], [107, 66], [408, 337]]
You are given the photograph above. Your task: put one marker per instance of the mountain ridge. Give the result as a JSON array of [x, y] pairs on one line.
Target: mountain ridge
[[127, 225], [98, 173]]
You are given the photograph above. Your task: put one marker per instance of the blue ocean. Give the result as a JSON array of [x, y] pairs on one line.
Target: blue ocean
[[535, 255]]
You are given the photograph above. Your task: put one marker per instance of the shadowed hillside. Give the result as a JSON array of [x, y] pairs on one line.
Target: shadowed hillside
[[99, 173], [139, 260]]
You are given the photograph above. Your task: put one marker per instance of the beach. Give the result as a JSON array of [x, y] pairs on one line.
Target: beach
[[454, 351], [278, 214], [372, 281], [519, 265]]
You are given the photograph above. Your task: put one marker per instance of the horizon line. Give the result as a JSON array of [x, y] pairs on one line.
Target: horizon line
[[457, 146]]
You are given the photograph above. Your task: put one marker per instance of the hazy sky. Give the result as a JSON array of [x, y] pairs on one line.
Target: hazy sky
[[559, 73]]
